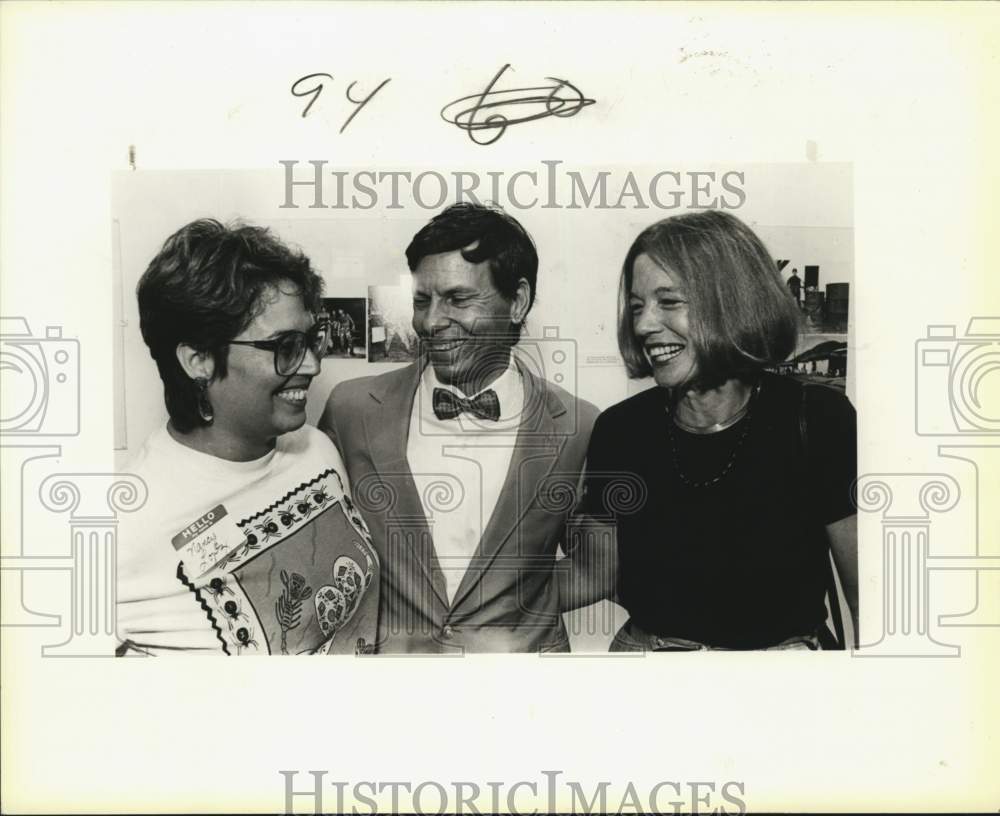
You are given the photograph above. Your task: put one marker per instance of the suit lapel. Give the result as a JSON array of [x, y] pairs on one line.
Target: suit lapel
[[536, 450], [387, 427]]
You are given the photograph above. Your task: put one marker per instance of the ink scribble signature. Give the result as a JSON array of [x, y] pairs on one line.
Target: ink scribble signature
[[480, 112]]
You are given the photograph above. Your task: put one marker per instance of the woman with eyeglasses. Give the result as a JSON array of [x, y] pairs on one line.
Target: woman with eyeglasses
[[249, 542], [737, 481]]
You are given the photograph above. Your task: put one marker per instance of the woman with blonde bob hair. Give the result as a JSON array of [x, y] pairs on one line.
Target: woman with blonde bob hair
[[742, 478]]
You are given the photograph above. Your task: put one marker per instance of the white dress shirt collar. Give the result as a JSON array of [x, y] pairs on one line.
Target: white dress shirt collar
[[472, 455], [509, 388]]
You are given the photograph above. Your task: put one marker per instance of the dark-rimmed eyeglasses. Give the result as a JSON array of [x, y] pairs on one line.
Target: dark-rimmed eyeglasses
[[290, 347]]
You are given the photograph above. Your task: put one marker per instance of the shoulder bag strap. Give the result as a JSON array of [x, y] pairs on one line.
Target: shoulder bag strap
[[831, 580]]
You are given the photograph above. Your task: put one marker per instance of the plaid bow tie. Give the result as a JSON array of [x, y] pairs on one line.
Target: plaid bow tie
[[448, 405]]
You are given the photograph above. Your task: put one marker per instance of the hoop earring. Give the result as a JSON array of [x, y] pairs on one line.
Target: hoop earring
[[204, 404]]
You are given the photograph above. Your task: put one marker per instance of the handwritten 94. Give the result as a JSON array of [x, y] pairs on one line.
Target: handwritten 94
[[484, 116]]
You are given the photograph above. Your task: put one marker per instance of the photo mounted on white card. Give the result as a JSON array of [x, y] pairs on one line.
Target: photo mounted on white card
[[852, 140]]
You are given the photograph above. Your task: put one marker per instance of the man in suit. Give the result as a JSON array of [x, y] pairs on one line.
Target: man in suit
[[464, 464]]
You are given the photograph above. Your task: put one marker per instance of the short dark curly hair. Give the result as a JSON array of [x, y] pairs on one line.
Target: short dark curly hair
[[203, 288], [499, 238]]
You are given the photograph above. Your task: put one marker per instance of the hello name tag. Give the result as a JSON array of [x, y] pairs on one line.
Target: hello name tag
[[207, 540]]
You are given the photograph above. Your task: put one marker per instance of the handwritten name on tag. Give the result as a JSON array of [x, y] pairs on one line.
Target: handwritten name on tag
[[206, 541]]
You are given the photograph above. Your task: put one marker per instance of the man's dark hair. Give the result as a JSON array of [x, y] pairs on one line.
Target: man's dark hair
[[482, 233], [204, 287]]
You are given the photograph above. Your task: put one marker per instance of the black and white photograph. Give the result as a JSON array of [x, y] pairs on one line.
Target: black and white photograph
[[478, 349], [348, 326], [556, 376], [391, 337], [818, 269]]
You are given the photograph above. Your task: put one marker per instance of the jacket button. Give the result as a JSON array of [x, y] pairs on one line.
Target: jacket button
[[448, 632]]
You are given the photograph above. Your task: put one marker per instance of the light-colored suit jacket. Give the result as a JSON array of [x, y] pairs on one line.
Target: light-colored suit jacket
[[508, 600]]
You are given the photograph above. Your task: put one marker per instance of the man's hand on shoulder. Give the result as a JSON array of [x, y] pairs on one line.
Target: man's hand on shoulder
[[328, 422]]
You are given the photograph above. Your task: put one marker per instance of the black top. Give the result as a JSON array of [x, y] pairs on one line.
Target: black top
[[741, 563]]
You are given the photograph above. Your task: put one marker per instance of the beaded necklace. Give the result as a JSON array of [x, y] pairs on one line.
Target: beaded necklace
[[745, 411]]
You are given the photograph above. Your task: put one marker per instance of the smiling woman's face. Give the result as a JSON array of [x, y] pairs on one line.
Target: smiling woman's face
[[659, 309], [462, 319], [252, 403]]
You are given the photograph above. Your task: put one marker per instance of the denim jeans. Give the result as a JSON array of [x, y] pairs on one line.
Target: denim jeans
[[632, 638]]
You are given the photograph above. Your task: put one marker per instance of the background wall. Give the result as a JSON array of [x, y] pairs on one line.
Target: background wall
[[803, 212], [207, 85]]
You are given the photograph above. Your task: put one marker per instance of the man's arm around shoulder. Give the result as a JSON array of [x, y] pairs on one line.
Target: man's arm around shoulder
[[342, 400]]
